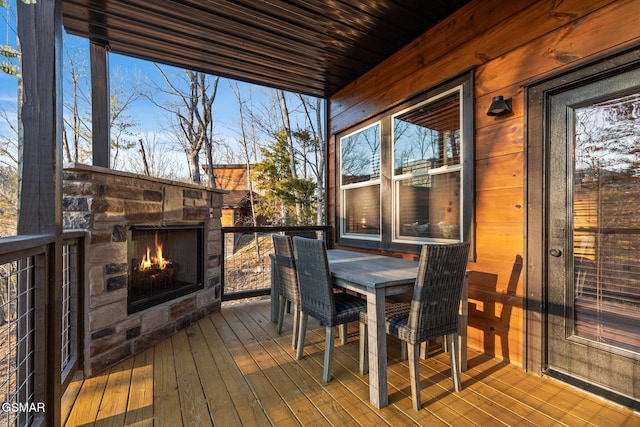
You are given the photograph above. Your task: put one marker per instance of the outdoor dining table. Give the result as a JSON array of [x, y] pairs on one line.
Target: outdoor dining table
[[376, 277]]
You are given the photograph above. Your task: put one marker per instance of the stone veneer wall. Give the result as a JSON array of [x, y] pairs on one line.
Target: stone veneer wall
[[105, 203]]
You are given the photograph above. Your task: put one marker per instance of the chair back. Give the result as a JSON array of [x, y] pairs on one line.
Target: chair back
[[436, 294], [314, 277], [308, 234], [286, 268]]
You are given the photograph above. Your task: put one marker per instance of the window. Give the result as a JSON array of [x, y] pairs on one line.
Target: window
[[360, 182], [426, 170], [407, 179]]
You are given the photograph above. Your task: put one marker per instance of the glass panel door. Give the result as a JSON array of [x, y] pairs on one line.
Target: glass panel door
[[592, 304]]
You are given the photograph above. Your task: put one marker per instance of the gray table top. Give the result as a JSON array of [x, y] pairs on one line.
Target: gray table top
[[371, 270]]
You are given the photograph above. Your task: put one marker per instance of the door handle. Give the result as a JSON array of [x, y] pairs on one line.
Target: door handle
[[555, 253]]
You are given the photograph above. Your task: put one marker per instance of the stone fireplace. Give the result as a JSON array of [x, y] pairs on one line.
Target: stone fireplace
[[132, 302]]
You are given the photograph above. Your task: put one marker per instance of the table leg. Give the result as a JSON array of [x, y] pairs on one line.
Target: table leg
[[378, 394]]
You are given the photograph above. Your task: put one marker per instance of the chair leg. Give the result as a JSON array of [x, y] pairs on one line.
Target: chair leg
[[364, 349], [282, 302], [343, 333], [296, 326], [328, 353], [303, 331], [414, 374], [424, 349], [452, 343]]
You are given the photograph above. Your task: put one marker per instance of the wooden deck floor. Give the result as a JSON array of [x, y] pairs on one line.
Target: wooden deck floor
[[232, 369]]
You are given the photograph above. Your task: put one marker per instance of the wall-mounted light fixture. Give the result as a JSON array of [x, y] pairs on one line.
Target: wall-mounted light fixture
[[499, 106]]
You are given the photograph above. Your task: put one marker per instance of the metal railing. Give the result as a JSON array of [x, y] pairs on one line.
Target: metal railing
[[22, 279], [26, 269], [246, 266]]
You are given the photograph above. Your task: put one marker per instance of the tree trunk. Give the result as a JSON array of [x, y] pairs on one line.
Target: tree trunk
[[143, 153], [321, 162], [65, 144], [292, 156], [319, 153], [247, 157], [287, 128], [194, 163]]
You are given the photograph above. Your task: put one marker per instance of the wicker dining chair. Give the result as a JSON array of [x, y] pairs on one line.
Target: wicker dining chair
[[289, 291], [307, 233], [342, 329], [317, 298], [433, 310]]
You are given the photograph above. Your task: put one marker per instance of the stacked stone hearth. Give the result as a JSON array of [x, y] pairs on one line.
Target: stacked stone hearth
[[106, 203]]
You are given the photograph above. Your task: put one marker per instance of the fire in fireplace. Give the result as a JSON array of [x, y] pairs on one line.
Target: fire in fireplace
[[165, 262]]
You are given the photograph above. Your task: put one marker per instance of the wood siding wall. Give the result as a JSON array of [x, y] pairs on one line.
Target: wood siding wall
[[509, 44]]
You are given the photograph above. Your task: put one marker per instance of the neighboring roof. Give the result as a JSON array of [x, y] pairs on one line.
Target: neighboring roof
[[315, 47], [219, 166], [237, 199]]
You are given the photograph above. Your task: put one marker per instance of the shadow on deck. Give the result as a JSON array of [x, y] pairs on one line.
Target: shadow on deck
[[232, 369]]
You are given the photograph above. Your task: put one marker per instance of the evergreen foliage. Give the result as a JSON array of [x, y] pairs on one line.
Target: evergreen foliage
[[280, 191]]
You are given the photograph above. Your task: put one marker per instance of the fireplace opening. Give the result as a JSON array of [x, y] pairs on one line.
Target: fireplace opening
[[165, 262]]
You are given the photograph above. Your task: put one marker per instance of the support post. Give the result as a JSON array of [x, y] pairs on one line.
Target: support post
[[100, 105], [40, 184]]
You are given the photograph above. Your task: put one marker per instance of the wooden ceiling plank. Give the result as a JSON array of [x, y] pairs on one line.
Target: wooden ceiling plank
[[140, 19], [341, 30]]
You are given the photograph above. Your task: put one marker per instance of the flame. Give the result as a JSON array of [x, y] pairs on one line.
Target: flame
[[157, 261]]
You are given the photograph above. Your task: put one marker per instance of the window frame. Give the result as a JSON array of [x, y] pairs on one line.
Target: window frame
[[396, 179], [370, 183], [387, 241]]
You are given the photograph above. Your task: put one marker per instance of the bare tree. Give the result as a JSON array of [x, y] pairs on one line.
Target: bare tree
[[227, 151], [155, 158], [247, 142], [76, 132], [9, 142], [143, 156], [8, 176], [286, 125], [313, 111], [192, 113], [10, 53], [122, 124]]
